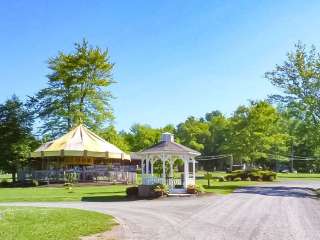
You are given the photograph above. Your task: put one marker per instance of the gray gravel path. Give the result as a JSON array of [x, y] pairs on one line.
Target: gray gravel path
[[288, 211]]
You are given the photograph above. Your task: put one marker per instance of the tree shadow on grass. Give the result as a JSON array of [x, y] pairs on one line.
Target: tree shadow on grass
[[106, 192], [111, 198], [222, 187]]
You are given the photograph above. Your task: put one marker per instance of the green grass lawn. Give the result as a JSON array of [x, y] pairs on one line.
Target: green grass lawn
[[118, 192], [220, 187], [42, 194], [229, 187], [298, 176], [223, 187], [30, 223]]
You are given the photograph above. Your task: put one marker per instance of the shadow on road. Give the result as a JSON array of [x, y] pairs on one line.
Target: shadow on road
[[280, 191], [104, 199]]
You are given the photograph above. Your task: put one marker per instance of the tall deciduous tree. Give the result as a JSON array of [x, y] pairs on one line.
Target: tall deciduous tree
[[16, 140], [299, 79], [255, 130], [118, 139], [193, 133], [77, 90], [142, 136]]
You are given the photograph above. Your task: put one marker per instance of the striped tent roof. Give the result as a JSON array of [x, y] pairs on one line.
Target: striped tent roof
[[80, 142]]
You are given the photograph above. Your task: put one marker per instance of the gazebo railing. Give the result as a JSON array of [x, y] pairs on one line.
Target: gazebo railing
[[173, 182], [148, 179]]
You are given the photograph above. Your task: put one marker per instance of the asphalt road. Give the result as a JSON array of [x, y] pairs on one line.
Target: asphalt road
[[288, 211]]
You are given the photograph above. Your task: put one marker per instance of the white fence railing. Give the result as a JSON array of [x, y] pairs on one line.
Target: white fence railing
[[81, 176], [151, 180], [172, 182]]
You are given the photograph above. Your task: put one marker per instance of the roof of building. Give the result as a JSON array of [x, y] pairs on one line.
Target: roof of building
[[170, 147], [80, 142]]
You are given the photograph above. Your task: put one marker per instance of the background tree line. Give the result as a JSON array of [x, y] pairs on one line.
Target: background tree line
[[78, 92]]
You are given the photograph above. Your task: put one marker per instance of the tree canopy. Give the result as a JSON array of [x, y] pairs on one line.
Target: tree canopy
[[77, 90], [15, 135]]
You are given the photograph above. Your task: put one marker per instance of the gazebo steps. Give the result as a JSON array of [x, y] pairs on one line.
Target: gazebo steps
[[178, 191], [180, 195]]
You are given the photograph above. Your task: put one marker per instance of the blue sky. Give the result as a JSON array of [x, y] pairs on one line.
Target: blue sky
[[173, 58]]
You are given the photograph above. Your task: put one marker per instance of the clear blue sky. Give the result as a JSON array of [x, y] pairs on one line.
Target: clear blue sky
[[173, 58]]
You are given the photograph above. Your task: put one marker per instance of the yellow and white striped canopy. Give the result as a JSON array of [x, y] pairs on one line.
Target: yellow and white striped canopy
[[80, 142]]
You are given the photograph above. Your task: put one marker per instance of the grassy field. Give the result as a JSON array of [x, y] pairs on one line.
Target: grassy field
[[29, 223], [298, 176], [84, 193], [221, 187], [117, 192], [229, 187]]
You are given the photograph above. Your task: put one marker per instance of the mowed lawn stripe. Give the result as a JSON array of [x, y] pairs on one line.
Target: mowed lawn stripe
[[29, 223]]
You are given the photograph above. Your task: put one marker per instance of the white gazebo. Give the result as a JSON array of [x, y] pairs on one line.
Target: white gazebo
[[167, 150]]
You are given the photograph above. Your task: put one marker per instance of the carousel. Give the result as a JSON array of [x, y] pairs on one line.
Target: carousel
[[82, 152]]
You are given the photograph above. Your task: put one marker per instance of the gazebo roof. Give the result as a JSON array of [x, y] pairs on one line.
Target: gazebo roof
[[80, 142], [168, 146]]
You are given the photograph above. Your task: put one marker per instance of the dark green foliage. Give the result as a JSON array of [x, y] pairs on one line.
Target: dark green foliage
[[132, 191], [159, 190], [4, 183], [16, 139], [193, 133], [252, 175]]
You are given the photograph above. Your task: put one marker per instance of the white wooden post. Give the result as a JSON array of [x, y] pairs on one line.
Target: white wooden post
[[142, 167], [147, 166], [186, 172], [171, 173], [163, 168], [151, 162], [194, 170]]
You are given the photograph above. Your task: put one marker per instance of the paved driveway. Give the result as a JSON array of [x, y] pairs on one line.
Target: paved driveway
[[288, 211]]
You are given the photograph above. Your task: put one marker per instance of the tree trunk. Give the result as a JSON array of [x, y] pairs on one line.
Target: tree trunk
[[13, 174]]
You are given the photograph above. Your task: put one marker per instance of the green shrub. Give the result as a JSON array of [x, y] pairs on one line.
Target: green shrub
[[4, 183], [138, 171], [132, 191], [253, 175], [159, 190], [268, 176], [221, 179], [34, 183], [195, 189], [199, 188]]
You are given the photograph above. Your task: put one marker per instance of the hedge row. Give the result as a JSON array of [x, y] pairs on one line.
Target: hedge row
[[251, 175]]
